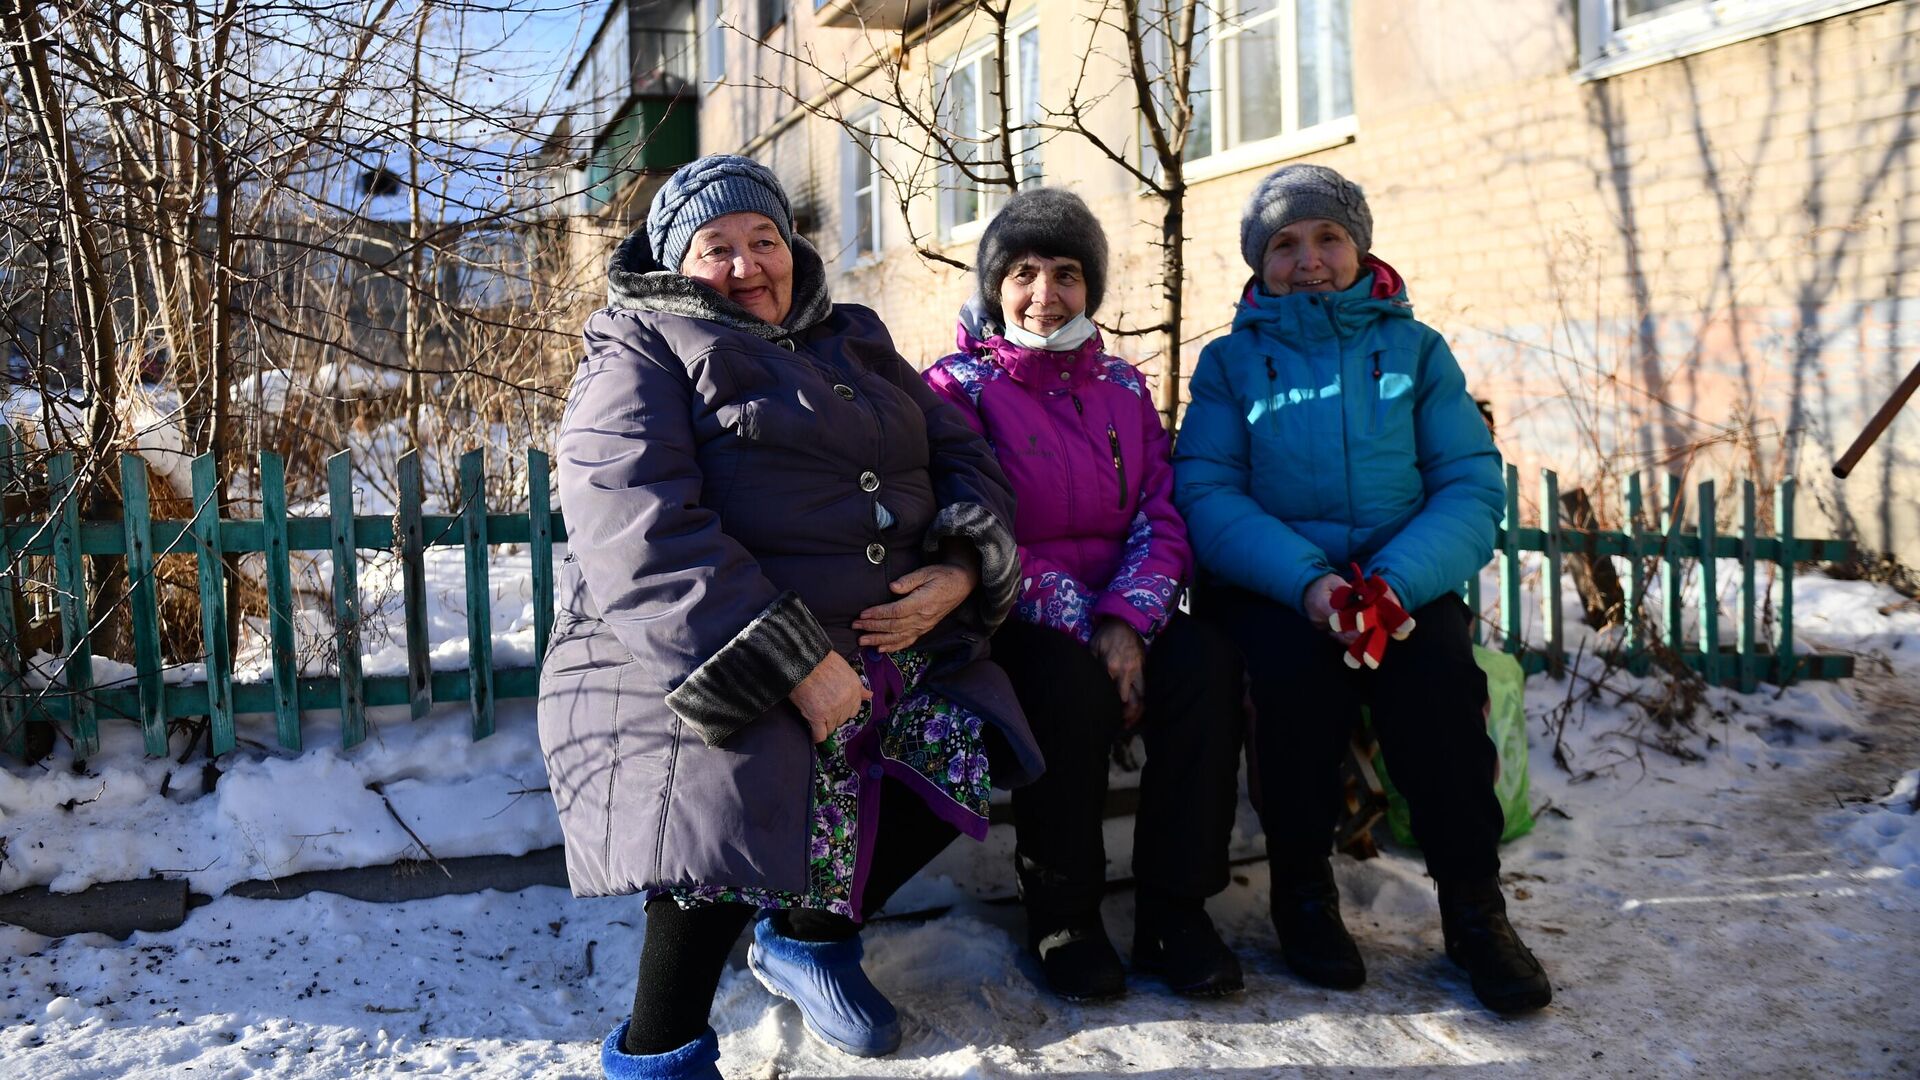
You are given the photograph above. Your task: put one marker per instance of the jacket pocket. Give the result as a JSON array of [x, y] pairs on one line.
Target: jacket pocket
[[1292, 403], [1391, 386]]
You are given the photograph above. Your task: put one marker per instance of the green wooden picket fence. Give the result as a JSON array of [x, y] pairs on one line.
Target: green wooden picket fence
[[152, 702], [1750, 661], [139, 537]]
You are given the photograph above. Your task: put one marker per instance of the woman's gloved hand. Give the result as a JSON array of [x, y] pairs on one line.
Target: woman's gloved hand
[[927, 595], [829, 696], [1119, 647]]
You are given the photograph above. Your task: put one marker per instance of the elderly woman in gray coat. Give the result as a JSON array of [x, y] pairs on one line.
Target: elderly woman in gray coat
[[767, 690]]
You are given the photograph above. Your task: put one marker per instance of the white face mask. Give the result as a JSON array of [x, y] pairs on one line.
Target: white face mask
[[1070, 336]]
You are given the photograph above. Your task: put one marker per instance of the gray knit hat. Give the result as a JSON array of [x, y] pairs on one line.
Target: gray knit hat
[[706, 189], [1293, 193], [1047, 221]]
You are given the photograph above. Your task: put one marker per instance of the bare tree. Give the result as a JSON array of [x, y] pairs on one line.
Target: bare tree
[[1159, 36], [1137, 51], [231, 227]]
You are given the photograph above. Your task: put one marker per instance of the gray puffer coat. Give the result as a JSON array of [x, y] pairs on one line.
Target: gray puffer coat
[[720, 478]]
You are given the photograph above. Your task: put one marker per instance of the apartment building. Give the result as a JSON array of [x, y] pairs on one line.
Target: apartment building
[[1662, 235]]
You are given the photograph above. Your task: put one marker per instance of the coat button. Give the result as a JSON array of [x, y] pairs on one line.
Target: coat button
[[869, 482], [843, 390], [875, 772], [1065, 375], [876, 554]]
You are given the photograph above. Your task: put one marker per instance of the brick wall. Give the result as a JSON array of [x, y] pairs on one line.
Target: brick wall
[[1708, 264]]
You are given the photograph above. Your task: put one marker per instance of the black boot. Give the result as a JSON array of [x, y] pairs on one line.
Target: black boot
[[1076, 957], [1064, 930], [1174, 937], [1313, 941], [1505, 976]]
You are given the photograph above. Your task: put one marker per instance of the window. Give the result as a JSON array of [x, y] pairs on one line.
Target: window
[[1630, 10], [1275, 68], [713, 43], [970, 91], [1270, 79], [860, 219], [1620, 35], [767, 15]]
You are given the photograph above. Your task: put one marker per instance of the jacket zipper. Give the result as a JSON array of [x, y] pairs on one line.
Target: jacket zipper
[[1119, 466], [1379, 402]]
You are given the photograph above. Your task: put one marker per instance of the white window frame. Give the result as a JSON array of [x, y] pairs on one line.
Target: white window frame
[[1012, 90], [864, 180], [1226, 153], [1609, 46]]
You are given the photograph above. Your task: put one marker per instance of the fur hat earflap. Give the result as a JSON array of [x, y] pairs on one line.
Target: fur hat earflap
[[1050, 222]]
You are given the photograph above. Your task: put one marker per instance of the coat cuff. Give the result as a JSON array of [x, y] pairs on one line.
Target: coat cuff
[[1294, 593], [999, 556], [753, 672], [1132, 610]]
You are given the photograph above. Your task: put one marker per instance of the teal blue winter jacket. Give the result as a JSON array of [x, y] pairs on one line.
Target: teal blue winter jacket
[[1334, 428]]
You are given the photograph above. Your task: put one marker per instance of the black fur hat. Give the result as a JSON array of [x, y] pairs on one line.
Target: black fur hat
[[1047, 221]]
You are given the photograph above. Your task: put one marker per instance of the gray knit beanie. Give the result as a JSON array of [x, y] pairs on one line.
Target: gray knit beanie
[[708, 188], [1293, 193], [1049, 222]]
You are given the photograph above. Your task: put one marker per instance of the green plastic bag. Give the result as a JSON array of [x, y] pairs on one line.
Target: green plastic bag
[[1507, 727]]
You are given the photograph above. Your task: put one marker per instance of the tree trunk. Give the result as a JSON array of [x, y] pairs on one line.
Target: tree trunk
[[1593, 576], [1173, 268]]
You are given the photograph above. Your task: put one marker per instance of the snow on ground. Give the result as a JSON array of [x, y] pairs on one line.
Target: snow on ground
[[1740, 899]]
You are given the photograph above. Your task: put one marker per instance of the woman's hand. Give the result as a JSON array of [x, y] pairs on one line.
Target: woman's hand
[[927, 595], [1318, 604], [829, 696], [1119, 647]]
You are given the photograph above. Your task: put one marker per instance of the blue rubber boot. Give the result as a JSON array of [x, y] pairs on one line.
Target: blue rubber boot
[[698, 1060], [838, 1003]]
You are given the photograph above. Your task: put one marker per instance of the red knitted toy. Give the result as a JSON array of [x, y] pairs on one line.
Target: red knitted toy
[[1363, 605]]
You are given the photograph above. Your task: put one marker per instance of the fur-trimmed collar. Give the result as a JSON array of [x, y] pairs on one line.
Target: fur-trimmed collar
[[635, 282]]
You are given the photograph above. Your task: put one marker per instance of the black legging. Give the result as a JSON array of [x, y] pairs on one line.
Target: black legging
[[685, 950]]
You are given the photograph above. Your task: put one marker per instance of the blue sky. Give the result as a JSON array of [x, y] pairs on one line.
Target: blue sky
[[528, 45]]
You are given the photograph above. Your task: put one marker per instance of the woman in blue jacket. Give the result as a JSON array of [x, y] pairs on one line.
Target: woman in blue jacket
[[1330, 428]]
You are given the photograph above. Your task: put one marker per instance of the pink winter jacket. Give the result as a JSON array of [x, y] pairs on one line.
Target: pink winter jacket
[[1079, 438]]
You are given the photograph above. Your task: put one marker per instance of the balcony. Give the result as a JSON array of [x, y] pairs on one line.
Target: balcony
[[663, 63], [654, 136]]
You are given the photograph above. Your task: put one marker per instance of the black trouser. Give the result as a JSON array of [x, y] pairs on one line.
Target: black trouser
[[1428, 704], [686, 950], [1193, 728]]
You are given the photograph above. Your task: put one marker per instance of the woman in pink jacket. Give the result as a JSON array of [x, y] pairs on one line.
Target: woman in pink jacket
[[1096, 643]]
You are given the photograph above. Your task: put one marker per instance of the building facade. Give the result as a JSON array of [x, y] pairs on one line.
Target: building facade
[[1663, 236]]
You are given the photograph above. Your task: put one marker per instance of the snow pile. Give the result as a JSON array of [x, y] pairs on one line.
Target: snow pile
[[269, 815], [1890, 829]]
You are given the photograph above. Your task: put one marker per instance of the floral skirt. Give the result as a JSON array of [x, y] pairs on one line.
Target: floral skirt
[[932, 745]]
